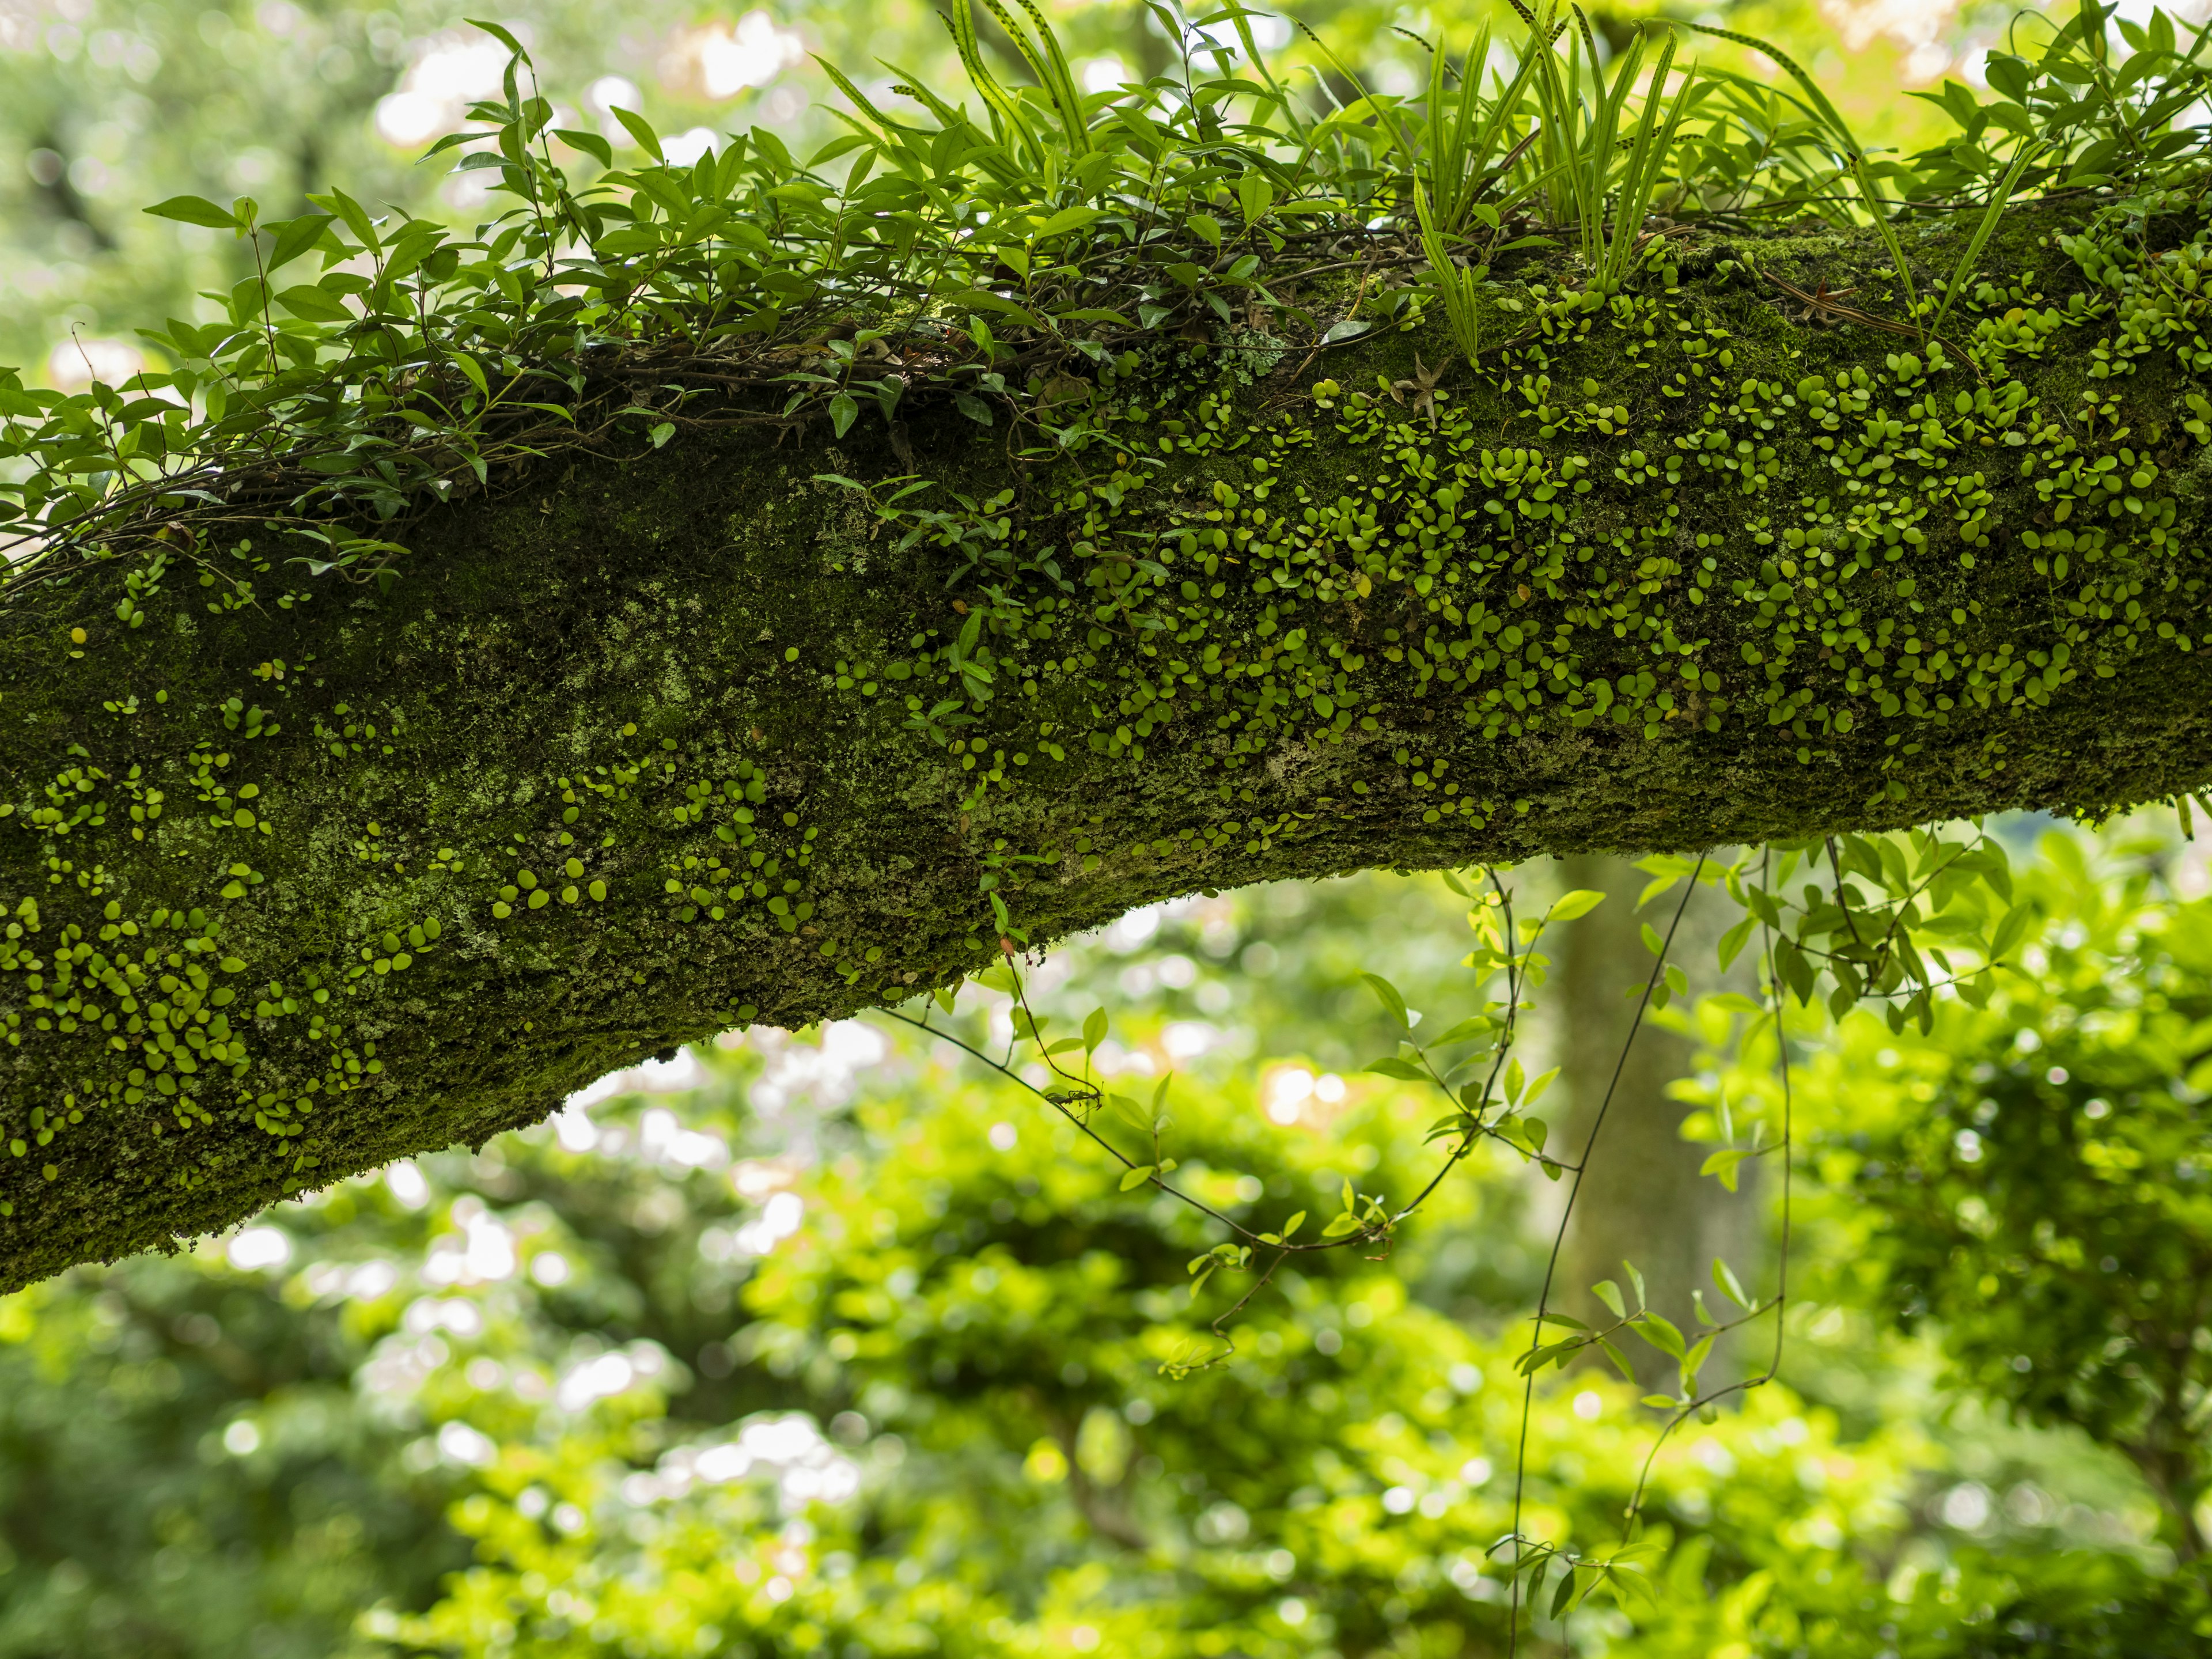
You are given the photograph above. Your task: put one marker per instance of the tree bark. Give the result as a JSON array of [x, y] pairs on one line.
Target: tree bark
[[266, 836], [1641, 1198]]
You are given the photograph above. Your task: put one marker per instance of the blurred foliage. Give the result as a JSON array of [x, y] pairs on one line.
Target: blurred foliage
[[2044, 1171], [839, 1343]]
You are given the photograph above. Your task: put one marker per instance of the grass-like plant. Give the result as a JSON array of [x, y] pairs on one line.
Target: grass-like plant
[[1457, 289], [373, 365]]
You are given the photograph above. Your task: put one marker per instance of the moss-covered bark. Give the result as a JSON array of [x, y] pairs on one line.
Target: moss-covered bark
[[304, 877]]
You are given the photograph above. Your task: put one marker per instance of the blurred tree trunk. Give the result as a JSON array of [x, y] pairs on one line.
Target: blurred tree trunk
[[1642, 1198]]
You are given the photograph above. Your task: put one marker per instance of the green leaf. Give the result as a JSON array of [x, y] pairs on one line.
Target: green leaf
[[641, 130], [1609, 1293], [2010, 931], [1206, 226], [1255, 195], [315, 304], [1136, 1176], [1653, 942], [355, 215], [590, 143], [1568, 906], [1565, 1595], [1387, 993], [1693, 1362], [1094, 1029], [195, 211], [1131, 1112], [1724, 1276], [844, 411], [1403, 1070], [1732, 942], [1067, 219], [1723, 1163], [503, 36], [473, 371], [295, 237], [1660, 1332]]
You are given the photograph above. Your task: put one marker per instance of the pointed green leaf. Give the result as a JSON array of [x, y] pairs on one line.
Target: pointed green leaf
[[503, 36], [474, 372], [591, 143], [1724, 1276], [195, 211], [295, 236], [1693, 1362], [1399, 1069], [1732, 942], [1386, 994], [641, 130], [1723, 1163], [1569, 906], [315, 304], [1131, 1112], [1660, 1332], [1067, 219]]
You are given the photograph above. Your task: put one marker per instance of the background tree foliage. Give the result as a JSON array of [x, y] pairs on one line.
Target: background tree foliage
[[839, 1343]]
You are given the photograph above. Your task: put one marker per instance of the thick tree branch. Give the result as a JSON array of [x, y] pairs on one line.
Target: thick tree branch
[[308, 880]]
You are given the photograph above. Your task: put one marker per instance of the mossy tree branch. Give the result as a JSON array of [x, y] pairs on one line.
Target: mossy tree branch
[[305, 876]]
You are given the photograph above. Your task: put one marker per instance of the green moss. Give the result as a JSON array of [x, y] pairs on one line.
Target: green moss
[[304, 877]]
